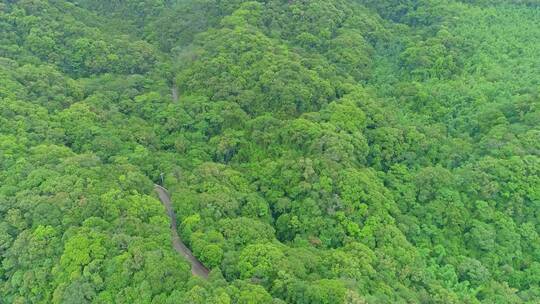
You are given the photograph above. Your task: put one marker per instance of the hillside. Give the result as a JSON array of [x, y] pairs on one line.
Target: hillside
[[316, 151]]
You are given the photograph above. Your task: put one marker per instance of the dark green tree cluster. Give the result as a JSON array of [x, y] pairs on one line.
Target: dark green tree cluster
[[317, 152]]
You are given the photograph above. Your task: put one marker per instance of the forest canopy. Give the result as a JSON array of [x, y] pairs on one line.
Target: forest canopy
[[316, 151]]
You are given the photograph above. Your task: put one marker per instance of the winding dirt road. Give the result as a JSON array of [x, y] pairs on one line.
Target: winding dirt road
[[197, 268]]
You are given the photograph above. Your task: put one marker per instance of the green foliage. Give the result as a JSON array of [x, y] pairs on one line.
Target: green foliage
[[316, 151]]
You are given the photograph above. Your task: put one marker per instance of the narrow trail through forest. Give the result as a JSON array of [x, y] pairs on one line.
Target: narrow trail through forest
[[197, 268]]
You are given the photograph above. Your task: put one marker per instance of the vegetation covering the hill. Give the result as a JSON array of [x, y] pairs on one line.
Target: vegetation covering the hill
[[317, 151]]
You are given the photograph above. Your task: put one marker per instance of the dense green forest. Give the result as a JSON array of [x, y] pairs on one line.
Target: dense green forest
[[316, 151]]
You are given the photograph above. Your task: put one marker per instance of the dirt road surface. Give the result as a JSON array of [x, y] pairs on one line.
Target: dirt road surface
[[197, 268]]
